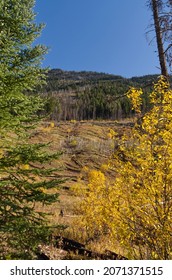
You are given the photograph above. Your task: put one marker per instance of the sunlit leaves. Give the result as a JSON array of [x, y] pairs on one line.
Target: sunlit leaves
[[136, 208], [135, 96]]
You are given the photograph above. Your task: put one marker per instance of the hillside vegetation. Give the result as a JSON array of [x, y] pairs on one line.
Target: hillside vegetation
[[84, 145], [91, 95]]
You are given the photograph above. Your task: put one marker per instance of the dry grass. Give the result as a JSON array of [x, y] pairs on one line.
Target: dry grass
[[83, 144]]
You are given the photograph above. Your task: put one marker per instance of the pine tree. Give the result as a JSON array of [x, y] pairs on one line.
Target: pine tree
[[24, 181]]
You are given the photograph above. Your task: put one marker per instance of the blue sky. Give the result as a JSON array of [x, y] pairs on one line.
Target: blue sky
[[98, 35]]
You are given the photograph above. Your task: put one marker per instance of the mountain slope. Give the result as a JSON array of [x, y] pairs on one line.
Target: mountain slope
[[91, 95]]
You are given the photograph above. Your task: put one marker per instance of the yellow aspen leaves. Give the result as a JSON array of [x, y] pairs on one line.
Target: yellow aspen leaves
[[95, 176], [111, 134], [135, 208], [104, 167], [25, 166], [73, 121], [1, 153], [135, 96], [52, 124]]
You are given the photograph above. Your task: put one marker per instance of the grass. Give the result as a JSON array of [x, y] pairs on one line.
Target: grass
[[84, 144]]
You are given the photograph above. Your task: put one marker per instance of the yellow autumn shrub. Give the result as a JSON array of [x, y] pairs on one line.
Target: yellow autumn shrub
[[136, 208]]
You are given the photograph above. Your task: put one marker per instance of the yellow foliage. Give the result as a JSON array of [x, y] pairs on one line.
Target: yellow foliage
[[104, 167], [95, 176], [46, 129], [73, 143], [69, 130], [85, 169], [73, 121], [25, 166], [43, 190], [111, 134], [52, 124], [136, 208], [1, 153], [135, 96]]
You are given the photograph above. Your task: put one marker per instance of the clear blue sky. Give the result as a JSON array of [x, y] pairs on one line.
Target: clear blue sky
[[98, 35]]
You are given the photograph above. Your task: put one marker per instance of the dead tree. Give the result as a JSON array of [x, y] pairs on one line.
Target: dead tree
[[156, 5]]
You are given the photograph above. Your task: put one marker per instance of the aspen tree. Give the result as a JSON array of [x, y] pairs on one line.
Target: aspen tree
[[136, 208]]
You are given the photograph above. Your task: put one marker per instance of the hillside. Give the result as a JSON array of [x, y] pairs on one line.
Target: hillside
[[91, 95], [86, 145], [83, 145], [58, 79]]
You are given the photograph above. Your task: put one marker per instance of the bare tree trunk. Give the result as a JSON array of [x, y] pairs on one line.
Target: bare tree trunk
[[159, 40]]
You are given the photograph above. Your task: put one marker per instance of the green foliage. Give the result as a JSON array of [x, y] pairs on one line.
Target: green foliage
[[51, 106], [24, 181], [91, 95], [19, 59]]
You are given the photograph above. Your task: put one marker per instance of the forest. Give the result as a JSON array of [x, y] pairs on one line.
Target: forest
[[71, 95]]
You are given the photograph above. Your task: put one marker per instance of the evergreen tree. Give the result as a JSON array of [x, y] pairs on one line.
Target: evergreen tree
[[24, 181]]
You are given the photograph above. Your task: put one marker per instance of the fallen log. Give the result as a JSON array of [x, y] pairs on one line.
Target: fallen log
[[77, 248], [41, 256], [62, 242], [115, 255]]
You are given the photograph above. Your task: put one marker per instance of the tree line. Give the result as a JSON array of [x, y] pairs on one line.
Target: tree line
[[94, 98]]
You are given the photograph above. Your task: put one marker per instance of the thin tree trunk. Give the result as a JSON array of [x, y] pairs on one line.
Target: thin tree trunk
[[159, 40]]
